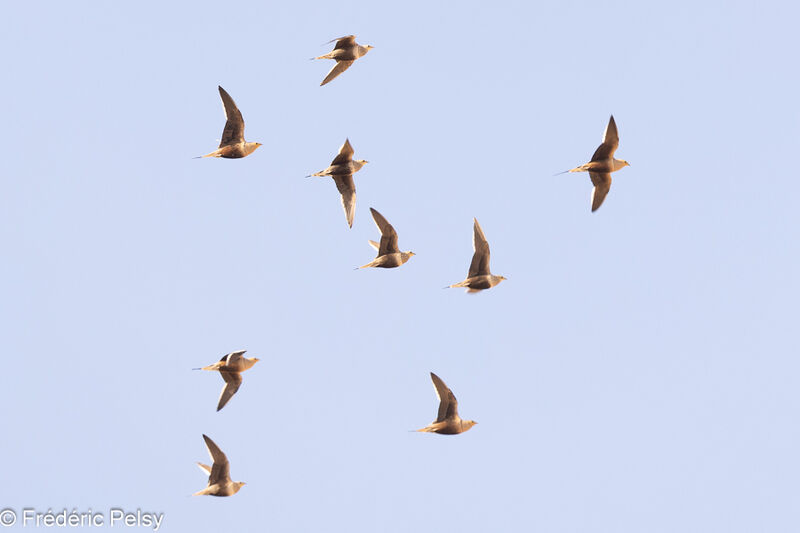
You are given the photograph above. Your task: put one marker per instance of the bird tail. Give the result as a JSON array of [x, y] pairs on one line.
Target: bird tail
[[582, 168]]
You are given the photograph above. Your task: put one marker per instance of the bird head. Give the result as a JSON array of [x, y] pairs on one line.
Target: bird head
[[238, 485], [467, 424], [256, 359], [362, 161]]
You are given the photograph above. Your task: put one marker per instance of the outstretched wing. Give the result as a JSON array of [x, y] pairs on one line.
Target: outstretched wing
[[602, 184], [234, 125], [229, 358], [344, 182], [610, 142], [345, 154], [337, 69], [233, 380], [448, 405], [344, 42], [220, 471], [480, 259], [388, 234]]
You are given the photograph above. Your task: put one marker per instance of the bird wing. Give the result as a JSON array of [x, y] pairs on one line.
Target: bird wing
[[610, 142], [221, 469], [337, 69], [388, 234], [344, 42], [345, 154], [602, 184], [234, 125], [375, 245], [480, 259], [344, 182], [233, 380], [229, 358], [205, 468], [448, 405]]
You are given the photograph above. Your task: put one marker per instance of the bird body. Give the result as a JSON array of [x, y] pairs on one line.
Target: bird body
[[232, 145], [341, 170], [346, 168], [346, 51], [479, 277], [603, 164], [219, 475], [230, 368], [447, 420], [389, 255]]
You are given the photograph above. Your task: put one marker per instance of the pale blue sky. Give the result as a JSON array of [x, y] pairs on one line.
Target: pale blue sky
[[637, 372]]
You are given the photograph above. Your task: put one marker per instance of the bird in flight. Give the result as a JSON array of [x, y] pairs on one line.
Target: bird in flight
[[346, 51], [230, 368], [479, 276], [389, 254], [219, 475], [603, 164], [447, 420], [232, 145], [341, 170]]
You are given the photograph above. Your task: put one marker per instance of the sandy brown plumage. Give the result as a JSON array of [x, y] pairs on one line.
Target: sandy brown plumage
[[345, 53], [230, 367], [603, 164], [447, 420], [479, 276], [219, 474], [389, 254], [232, 145], [341, 170]]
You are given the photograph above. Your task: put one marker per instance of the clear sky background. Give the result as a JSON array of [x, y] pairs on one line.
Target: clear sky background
[[637, 372]]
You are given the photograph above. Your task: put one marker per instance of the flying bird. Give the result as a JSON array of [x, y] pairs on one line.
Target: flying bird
[[219, 475], [230, 368], [603, 164], [447, 420], [341, 170], [479, 276], [346, 51], [232, 145], [389, 254]]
